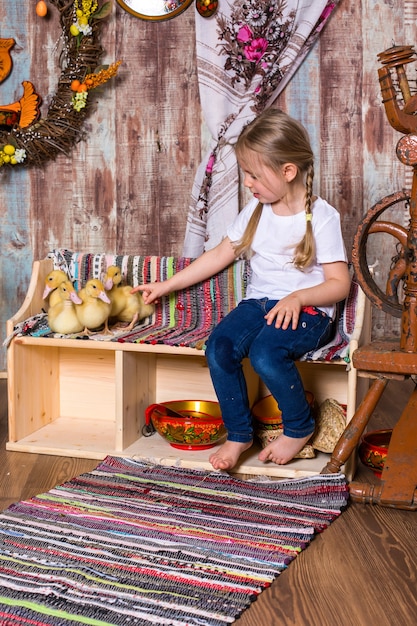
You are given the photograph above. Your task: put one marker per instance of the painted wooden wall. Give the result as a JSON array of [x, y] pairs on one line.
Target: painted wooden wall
[[126, 187]]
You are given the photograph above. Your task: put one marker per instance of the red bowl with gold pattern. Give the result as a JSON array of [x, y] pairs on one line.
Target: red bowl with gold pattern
[[187, 424], [373, 449]]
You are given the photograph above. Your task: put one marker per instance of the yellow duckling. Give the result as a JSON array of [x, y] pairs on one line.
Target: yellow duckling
[[95, 308], [62, 316], [52, 282], [125, 306]]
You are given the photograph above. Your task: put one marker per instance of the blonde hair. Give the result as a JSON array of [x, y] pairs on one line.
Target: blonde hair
[[278, 139]]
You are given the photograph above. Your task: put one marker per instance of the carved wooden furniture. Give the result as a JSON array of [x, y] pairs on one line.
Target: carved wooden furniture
[[387, 360]]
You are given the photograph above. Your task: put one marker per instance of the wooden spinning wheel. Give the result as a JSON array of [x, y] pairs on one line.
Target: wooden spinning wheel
[[389, 300], [385, 360]]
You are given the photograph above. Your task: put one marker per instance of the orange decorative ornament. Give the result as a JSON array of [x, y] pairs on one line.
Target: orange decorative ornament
[[23, 112], [75, 84], [41, 8], [5, 58]]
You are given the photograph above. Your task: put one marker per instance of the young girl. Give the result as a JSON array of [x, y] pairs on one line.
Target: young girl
[[299, 271]]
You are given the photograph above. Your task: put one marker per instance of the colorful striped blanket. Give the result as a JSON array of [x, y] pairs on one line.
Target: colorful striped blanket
[[184, 318]]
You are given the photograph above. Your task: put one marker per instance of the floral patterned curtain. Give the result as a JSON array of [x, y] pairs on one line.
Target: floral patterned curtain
[[246, 54]]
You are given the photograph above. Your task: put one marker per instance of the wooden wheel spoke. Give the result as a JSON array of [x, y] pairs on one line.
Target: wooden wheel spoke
[[387, 300]]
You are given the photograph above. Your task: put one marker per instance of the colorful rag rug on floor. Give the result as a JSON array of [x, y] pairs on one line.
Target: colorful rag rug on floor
[[137, 543]]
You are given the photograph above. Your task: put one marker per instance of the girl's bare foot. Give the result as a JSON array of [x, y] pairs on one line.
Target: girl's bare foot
[[228, 454], [282, 449]]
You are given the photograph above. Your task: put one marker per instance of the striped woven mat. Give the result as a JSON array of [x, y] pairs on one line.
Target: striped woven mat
[[142, 544], [186, 317]]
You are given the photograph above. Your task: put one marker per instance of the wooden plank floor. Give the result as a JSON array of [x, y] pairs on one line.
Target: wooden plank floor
[[361, 571]]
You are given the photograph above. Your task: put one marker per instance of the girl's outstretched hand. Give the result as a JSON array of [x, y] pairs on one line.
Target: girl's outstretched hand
[[152, 291], [206, 265]]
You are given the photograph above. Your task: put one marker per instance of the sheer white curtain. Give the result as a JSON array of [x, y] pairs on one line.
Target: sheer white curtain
[[246, 54]]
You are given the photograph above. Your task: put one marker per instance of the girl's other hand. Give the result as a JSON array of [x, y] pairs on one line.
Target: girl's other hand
[[285, 312]]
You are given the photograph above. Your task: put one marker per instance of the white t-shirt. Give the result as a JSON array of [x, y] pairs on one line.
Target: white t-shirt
[[273, 273]]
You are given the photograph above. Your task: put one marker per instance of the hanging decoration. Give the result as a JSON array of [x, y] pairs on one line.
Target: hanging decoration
[[5, 59], [26, 138], [154, 10], [206, 8], [41, 9]]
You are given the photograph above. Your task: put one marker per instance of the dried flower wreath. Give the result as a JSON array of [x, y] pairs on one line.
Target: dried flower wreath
[[57, 132]]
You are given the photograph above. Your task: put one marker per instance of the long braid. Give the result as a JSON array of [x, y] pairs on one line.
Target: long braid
[[305, 251], [309, 187]]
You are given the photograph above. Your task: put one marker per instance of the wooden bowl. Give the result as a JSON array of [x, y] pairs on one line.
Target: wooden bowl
[[187, 424], [267, 422], [373, 449], [268, 414]]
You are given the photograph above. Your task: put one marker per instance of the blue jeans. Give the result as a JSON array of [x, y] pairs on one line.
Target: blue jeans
[[272, 352]]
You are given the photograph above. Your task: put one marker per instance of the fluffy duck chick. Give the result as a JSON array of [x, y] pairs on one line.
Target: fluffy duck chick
[[125, 306], [95, 307], [62, 316], [52, 282]]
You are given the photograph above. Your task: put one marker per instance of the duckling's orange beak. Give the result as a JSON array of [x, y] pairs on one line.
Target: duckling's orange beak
[[75, 298], [47, 291], [103, 296]]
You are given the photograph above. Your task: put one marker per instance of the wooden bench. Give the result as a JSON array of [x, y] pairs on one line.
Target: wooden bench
[[87, 398]]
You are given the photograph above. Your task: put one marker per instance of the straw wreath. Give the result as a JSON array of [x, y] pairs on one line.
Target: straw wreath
[[62, 127]]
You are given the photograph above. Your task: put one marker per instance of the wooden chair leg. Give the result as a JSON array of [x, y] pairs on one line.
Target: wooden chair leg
[[367, 493], [353, 431]]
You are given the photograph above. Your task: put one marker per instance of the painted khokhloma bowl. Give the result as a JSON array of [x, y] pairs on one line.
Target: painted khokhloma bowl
[[373, 449], [187, 424], [267, 414]]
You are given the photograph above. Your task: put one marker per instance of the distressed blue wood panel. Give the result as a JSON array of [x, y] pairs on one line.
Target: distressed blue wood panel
[[16, 252]]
